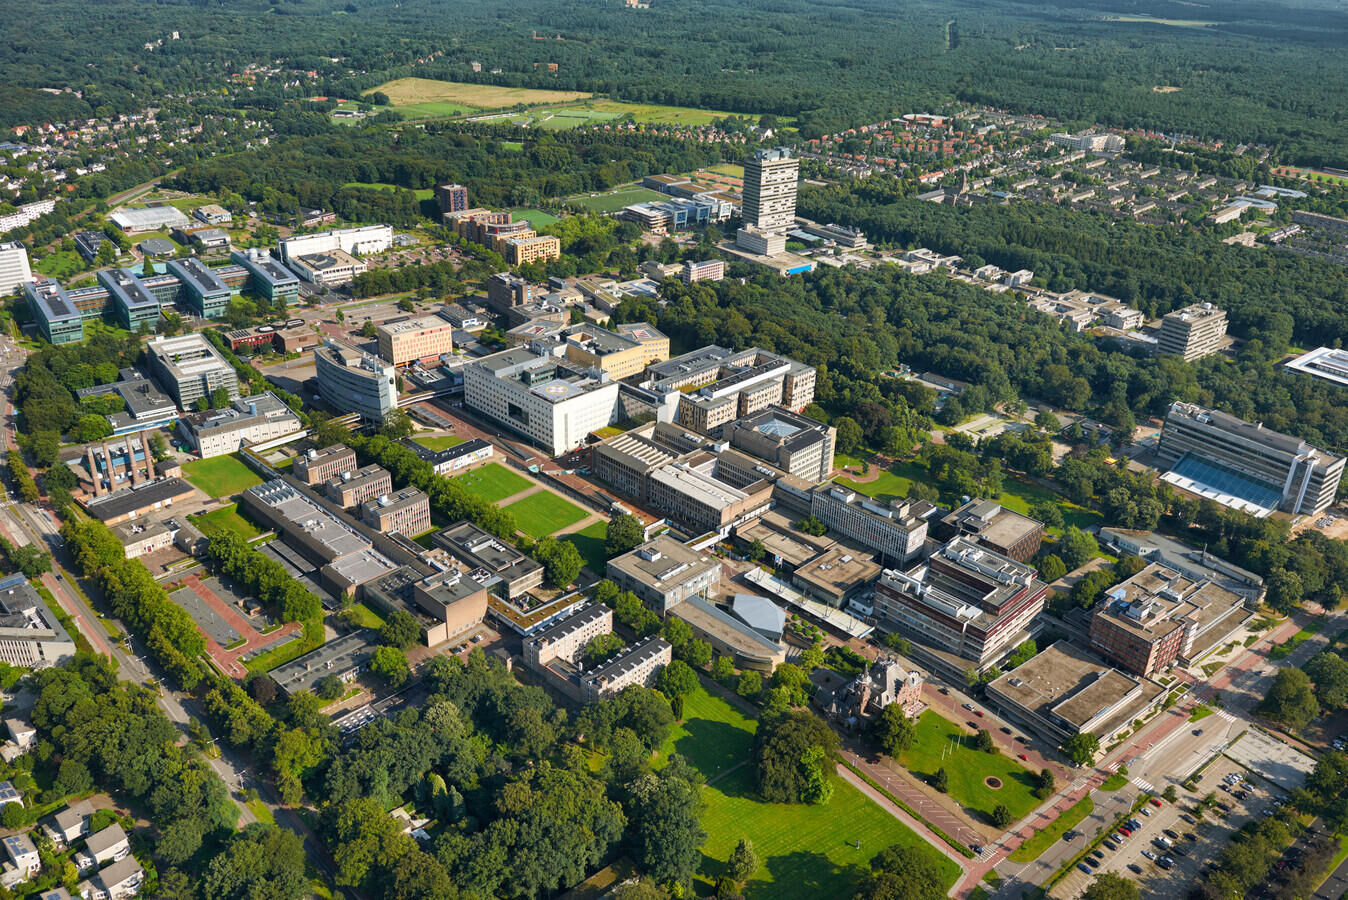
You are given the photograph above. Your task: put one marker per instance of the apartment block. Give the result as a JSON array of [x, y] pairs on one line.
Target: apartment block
[[568, 637], [638, 664], [407, 511], [1245, 465], [894, 531], [410, 340], [353, 488], [521, 250], [1193, 332], [1159, 617], [451, 198], [188, 368], [315, 467], [964, 608], [505, 291]]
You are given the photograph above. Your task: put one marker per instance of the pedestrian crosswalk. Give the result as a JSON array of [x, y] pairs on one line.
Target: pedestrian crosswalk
[[1224, 715], [1079, 783], [1144, 784]]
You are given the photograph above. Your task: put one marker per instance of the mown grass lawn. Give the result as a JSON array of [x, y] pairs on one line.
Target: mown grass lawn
[[805, 852], [539, 515], [590, 542], [492, 482], [615, 200], [439, 442], [1044, 838], [941, 743], [714, 736], [892, 484], [220, 476], [226, 518]]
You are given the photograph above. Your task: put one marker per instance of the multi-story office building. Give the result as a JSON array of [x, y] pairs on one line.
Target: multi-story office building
[[664, 572], [708, 388], [1245, 465], [59, 320], [451, 198], [467, 542], [700, 495], [14, 270], [552, 402], [964, 608], [316, 467], [1090, 142], [410, 340], [520, 250], [252, 419], [355, 241], [894, 531], [331, 267], [1193, 332], [706, 270], [134, 304], [994, 526], [505, 291], [407, 511], [354, 488], [30, 635], [352, 381], [202, 291], [793, 443], [452, 459], [447, 604], [770, 178], [1159, 617], [189, 368], [268, 277]]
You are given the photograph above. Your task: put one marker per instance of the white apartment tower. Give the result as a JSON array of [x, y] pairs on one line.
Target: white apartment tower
[[770, 189], [14, 270]]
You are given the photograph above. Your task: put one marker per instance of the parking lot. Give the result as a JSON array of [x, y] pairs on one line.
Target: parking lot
[[1188, 856]]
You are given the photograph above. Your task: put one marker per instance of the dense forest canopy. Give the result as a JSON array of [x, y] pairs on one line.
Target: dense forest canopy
[[1245, 71]]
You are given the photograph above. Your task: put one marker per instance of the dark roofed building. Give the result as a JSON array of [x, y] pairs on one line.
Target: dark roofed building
[[994, 526]]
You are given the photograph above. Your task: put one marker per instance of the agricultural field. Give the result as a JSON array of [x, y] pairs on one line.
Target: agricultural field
[[615, 200], [590, 542], [429, 94], [422, 193], [492, 482], [220, 476], [540, 514], [941, 743]]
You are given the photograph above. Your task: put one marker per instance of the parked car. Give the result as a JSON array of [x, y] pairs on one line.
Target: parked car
[[1145, 811], [1148, 854], [1098, 854], [968, 706], [1156, 802], [1085, 868], [1111, 845], [1198, 732], [979, 713], [1179, 848], [1092, 862], [1070, 835], [1165, 862], [1135, 868], [1023, 756], [1188, 818], [1224, 807], [1170, 833]]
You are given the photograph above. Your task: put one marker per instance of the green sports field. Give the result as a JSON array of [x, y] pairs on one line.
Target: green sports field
[[492, 482], [539, 515], [220, 476], [421, 193], [439, 442], [535, 217], [941, 743], [614, 201]]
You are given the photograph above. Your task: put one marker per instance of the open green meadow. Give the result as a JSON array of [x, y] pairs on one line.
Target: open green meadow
[[590, 542], [941, 743], [613, 201], [492, 482], [535, 217], [60, 265], [421, 193], [892, 484], [714, 735], [439, 442], [220, 476], [227, 519], [806, 852], [539, 515]]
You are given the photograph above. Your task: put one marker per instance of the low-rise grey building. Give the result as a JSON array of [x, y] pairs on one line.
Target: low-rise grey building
[[664, 572]]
